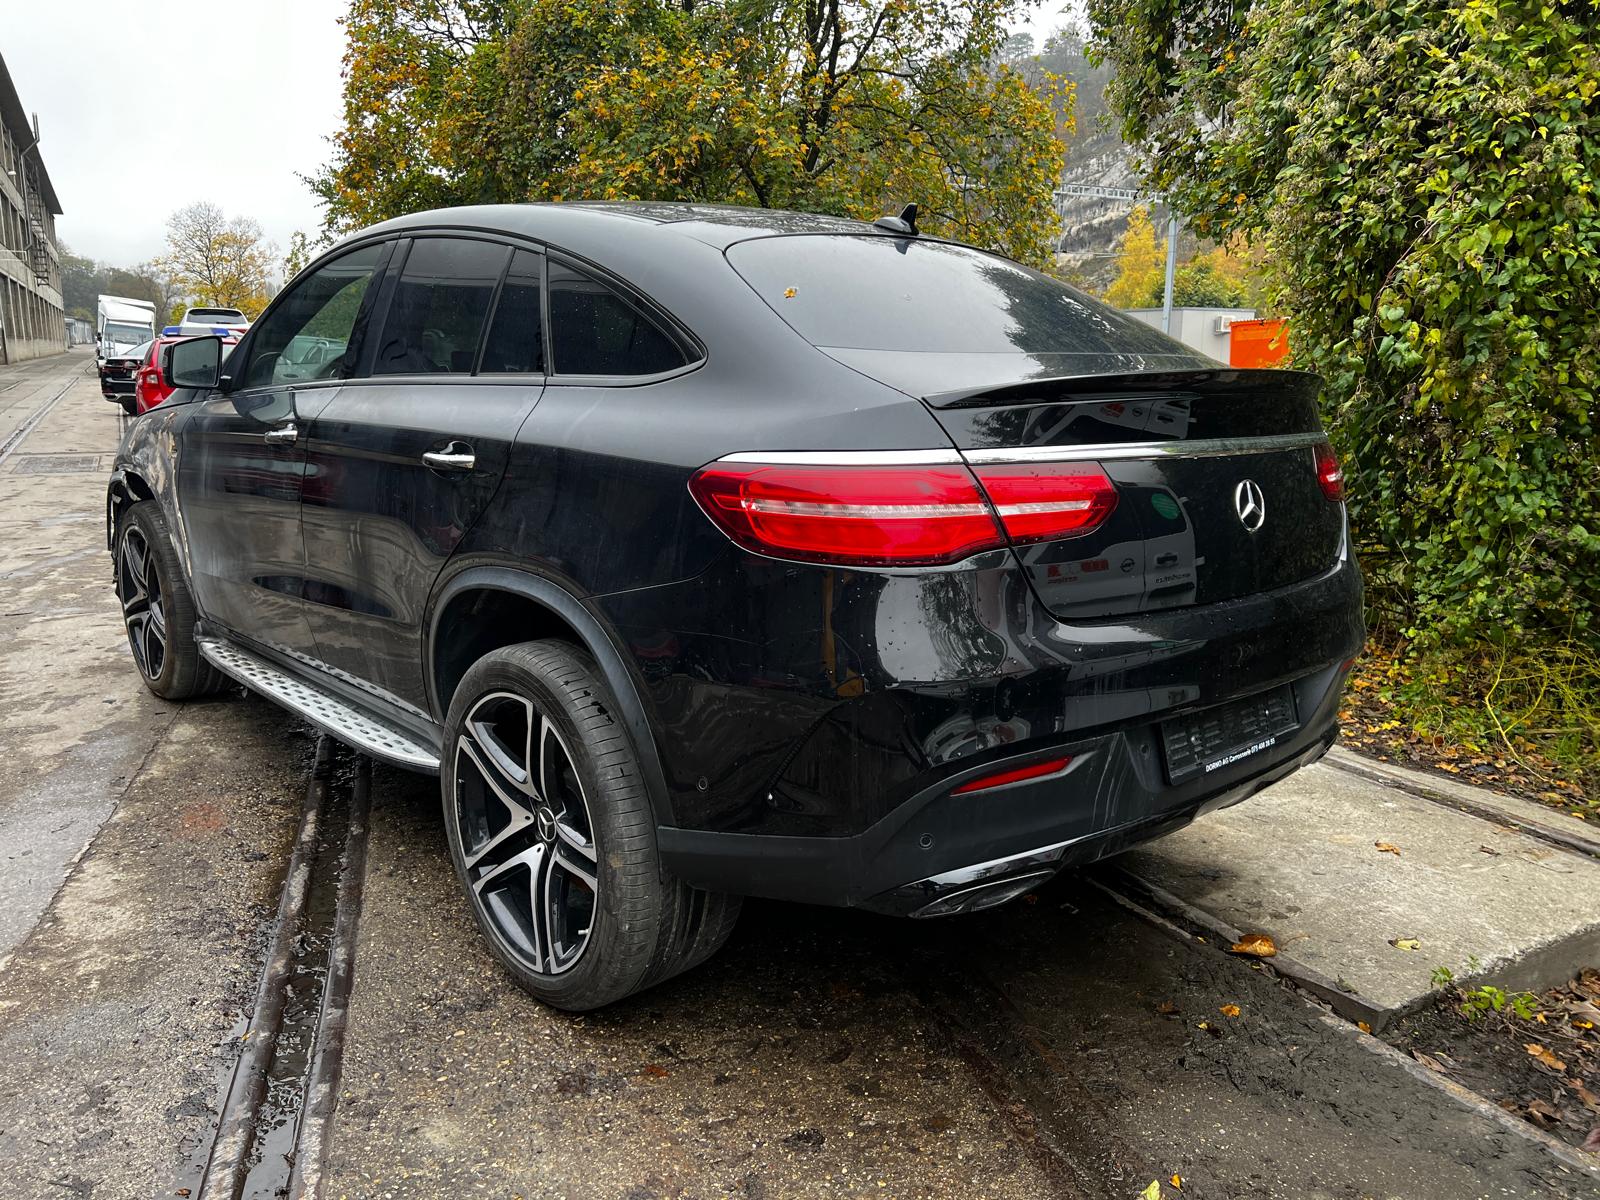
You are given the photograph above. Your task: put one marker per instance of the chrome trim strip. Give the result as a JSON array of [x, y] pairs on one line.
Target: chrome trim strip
[[1115, 451], [845, 458]]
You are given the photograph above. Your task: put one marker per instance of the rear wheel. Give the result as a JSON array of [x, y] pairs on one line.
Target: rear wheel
[[553, 837], [157, 610]]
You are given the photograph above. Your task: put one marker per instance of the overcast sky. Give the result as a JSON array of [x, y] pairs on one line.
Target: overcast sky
[[145, 107]]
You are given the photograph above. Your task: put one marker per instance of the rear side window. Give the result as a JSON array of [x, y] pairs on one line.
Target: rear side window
[[882, 293], [436, 314], [516, 335], [594, 331]]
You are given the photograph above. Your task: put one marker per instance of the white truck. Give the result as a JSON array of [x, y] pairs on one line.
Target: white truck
[[122, 324]]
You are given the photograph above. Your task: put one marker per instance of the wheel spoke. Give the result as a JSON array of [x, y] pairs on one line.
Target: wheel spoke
[[136, 627], [574, 866], [496, 890], [558, 779], [519, 815]]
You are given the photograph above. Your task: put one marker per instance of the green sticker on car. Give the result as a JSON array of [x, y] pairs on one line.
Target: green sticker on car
[[1165, 505]]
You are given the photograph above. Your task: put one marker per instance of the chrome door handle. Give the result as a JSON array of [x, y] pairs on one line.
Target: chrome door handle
[[457, 456], [284, 435]]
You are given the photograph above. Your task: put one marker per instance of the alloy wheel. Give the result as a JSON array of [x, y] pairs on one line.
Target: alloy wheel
[[143, 603], [527, 838]]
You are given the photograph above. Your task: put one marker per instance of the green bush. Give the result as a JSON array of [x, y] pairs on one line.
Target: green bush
[[1420, 175], [1423, 174]]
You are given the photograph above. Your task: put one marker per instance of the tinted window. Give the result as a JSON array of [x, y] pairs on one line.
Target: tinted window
[[516, 335], [322, 307], [879, 293], [436, 316], [594, 331]]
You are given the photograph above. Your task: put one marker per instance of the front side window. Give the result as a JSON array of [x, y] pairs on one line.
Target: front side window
[[436, 316], [594, 331], [321, 310], [516, 335]]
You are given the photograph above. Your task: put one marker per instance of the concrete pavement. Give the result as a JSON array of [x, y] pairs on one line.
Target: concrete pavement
[[1062, 1047]]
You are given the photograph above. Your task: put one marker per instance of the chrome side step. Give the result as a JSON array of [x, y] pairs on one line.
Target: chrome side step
[[344, 721]]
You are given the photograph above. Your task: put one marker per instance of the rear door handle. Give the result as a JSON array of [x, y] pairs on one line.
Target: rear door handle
[[457, 456], [284, 435]]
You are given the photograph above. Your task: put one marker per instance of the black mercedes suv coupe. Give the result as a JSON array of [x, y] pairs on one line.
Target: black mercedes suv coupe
[[708, 552]]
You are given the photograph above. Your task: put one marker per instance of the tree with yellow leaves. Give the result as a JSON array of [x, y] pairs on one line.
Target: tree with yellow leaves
[[851, 107], [1141, 263], [218, 261]]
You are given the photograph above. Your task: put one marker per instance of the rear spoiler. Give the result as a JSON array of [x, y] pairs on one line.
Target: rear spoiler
[[1125, 385]]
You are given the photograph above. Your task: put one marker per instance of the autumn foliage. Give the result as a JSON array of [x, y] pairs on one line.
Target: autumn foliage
[[821, 105]]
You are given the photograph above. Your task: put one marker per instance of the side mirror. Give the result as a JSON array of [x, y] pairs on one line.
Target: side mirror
[[194, 363]]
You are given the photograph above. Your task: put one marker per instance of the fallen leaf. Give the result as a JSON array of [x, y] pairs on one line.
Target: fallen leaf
[[1256, 945], [1592, 1142], [1177, 1182], [1542, 1114], [1544, 1056], [1587, 1096], [1388, 848], [1167, 1008], [1153, 1192], [1364, 1027], [1406, 943], [788, 293], [1429, 1061], [1229, 1010], [656, 1071]]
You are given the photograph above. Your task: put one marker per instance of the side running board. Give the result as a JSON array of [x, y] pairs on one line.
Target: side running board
[[324, 710]]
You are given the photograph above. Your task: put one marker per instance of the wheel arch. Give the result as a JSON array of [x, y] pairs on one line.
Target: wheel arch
[[483, 608], [126, 489]]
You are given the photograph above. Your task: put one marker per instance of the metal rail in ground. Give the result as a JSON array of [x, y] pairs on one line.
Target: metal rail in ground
[[272, 1129], [31, 421]]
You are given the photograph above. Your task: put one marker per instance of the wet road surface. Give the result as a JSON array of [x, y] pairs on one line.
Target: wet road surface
[[1063, 1047]]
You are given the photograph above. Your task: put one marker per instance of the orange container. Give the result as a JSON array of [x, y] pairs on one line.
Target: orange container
[[1258, 343]]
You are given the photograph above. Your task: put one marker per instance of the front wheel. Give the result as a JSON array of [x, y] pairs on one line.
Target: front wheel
[[157, 610], [553, 837]]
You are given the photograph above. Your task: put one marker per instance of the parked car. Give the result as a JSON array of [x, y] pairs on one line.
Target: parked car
[[707, 552], [150, 381], [206, 318], [117, 374]]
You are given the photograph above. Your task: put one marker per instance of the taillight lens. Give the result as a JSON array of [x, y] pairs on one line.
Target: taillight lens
[[1043, 502], [1329, 475], [900, 515], [868, 516]]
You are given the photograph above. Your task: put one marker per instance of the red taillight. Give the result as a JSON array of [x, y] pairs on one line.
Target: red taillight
[[1038, 770], [912, 515], [870, 516], [1329, 475], [1039, 503]]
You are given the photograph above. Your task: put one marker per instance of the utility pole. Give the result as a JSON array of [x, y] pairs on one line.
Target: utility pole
[[1069, 191]]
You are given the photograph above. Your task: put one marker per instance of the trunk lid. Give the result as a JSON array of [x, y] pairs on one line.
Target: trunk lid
[[1215, 470]]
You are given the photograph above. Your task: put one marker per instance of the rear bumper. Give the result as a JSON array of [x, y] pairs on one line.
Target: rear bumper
[[116, 389], [941, 852]]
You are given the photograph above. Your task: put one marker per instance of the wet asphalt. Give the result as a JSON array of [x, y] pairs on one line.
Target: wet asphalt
[[1064, 1046]]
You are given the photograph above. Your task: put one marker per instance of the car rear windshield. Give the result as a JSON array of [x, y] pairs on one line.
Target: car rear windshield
[[908, 294]]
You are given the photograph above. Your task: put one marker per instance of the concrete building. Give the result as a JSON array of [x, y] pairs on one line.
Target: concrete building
[[1202, 329], [32, 322]]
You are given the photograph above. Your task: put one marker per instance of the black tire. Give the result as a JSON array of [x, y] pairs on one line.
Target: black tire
[[129, 407], [607, 921], [157, 608]]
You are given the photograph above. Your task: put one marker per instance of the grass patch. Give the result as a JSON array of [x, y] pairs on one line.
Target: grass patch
[[1524, 721]]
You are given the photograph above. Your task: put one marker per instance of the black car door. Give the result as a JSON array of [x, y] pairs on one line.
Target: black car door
[[404, 460], [242, 454]]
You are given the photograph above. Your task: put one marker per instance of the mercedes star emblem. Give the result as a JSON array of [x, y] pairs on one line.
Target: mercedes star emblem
[[1250, 504]]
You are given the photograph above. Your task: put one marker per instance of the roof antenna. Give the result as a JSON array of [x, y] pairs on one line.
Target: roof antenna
[[905, 223]]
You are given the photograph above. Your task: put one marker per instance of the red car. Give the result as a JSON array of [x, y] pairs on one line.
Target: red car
[[150, 388]]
